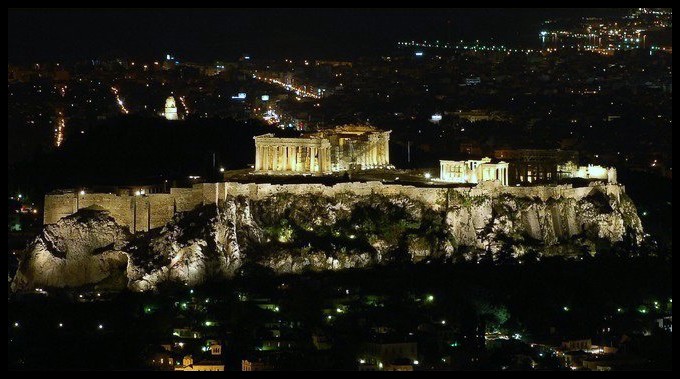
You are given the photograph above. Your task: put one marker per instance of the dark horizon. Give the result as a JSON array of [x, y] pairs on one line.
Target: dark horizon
[[209, 34]]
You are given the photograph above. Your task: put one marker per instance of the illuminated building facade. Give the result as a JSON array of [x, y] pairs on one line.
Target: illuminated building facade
[[188, 364], [534, 165], [170, 109], [473, 171], [347, 147], [302, 155], [358, 147], [571, 170]]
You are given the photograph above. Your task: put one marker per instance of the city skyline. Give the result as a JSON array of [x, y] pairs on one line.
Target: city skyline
[[205, 35]]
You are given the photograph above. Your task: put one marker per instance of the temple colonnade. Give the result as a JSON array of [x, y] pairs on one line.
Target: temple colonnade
[[292, 155]]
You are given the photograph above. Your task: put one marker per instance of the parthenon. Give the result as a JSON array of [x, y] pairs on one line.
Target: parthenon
[[292, 155], [347, 147]]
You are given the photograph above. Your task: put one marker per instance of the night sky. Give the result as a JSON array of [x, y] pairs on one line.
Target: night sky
[[208, 34]]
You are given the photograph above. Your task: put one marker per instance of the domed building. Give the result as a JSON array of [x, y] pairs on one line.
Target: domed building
[[170, 109]]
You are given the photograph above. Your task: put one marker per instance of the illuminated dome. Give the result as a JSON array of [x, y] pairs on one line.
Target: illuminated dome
[[170, 108]]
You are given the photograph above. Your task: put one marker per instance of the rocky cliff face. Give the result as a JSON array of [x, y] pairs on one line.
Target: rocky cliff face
[[292, 233], [80, 249]]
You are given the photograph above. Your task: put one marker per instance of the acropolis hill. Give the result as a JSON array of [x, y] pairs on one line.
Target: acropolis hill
[[210, 230], [142, 213]]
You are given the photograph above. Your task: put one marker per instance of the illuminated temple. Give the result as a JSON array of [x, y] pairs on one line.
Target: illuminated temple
[[473, 171], [347, 147], [482, 170]]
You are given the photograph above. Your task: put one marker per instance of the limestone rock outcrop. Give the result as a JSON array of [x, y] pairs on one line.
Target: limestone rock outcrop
[[84, 248], [293, 233]]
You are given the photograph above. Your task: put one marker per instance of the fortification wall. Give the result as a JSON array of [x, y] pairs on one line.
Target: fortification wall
[[58, 206], [151, 211], [187, 199], [219, 191], [434, 196], [142, 213], [118, 206], [139, 213]]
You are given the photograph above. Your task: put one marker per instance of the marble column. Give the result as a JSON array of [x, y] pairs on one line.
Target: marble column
[[327, 152], [262, 150], [296, 151], [267, 157], [302, 158], [305, 158], [312, 159], [322, 159], [258, 158], [375, 153], [294, 158], [270, 158], [328, 156], [281, 158]]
